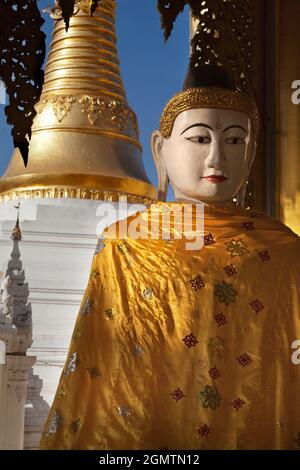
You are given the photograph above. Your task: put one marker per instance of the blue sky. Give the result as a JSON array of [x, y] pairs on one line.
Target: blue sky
[[152, 70]]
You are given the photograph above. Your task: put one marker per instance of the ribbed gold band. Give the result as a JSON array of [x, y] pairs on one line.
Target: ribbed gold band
[[89, 130]]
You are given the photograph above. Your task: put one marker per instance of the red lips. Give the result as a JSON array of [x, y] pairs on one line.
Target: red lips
[[216, 178]]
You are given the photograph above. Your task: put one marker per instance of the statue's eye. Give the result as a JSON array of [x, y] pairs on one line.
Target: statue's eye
[[200, 139], [234, 140]]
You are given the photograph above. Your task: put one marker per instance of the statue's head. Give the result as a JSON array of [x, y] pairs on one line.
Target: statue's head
[[207, 139]]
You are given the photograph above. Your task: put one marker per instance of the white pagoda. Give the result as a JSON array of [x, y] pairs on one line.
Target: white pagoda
[[15, 340]]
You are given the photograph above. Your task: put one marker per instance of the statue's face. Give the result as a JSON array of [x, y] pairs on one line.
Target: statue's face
[[208, 155]]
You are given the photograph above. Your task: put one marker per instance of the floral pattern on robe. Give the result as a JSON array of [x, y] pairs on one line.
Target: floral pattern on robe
[[186, 349]]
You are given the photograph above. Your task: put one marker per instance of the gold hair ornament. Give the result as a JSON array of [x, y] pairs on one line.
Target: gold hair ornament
[[212, 97]]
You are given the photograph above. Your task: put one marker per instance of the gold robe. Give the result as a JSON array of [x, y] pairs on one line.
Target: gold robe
[[183, 349]]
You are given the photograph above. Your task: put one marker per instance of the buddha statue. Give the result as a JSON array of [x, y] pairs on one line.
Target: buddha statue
[[225, 136], [178, 348]]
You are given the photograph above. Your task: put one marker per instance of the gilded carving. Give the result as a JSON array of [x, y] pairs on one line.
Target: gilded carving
[[114, 113], [61, 104]]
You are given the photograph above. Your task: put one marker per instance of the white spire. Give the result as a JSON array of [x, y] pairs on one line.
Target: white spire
[[15, 310]]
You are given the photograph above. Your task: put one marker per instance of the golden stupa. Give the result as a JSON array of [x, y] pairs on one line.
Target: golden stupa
[[85, 137]]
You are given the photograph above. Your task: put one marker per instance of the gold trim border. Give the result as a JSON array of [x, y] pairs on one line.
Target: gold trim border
[[78, 186]]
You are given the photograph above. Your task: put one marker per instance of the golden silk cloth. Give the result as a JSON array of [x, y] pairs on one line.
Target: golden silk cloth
[[186, 349]]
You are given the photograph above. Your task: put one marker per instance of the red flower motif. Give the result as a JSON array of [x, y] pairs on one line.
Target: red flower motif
[[190, 340], [209, 239], [178, 394], [238, 403], [264, 256], [248, 225], [244, 360], [204, 430], [220, 319], [214, 373], [230, 270], [197, 283], [256, 305]]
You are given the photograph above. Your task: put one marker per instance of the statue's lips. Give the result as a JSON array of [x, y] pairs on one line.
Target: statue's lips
[[216, 178]]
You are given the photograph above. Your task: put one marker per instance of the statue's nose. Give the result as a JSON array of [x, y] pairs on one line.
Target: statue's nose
[[216, 158]]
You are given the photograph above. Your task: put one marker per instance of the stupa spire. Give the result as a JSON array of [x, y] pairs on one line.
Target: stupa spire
[[85, 138], [15, 310], [16, 233]]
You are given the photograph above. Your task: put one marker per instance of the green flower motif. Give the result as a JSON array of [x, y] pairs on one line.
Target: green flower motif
[[237, 247], [109, 313], [148, 293], [123, 248], [225, 292], [94, 372], [94, 274], [75, 426], [210, 397], [217, 347]]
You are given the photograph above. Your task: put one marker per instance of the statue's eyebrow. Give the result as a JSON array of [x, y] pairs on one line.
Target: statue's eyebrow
[[197, 125], [236, 126]]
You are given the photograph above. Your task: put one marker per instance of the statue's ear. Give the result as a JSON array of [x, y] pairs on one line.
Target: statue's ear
[[163, 180], [241, 195], [252, 153]]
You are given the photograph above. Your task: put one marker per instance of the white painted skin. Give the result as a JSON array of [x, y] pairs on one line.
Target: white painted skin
[[206, 141]]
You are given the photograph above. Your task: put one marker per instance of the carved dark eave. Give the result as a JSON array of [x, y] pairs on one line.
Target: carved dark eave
[[224, 35], [22, 46]]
